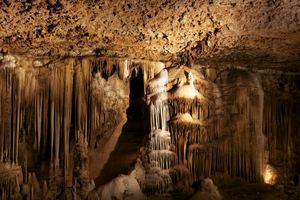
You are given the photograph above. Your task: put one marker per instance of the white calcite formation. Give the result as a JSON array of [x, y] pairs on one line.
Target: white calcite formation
[[187, 90], [158, 83], [161, 158], [8, 61], [123, 187]]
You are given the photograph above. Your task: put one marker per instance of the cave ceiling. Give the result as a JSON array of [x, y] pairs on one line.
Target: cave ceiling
[[246, 32]]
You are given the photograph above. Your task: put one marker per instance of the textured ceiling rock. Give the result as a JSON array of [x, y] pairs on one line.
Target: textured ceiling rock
[[153, 29]]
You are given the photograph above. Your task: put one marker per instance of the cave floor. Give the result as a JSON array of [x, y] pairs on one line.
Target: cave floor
[[256, 191], [234, 188], [246, 191], [123, 158], [103, 150]]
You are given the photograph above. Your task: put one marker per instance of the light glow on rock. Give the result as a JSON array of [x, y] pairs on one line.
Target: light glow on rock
[[270, 175]]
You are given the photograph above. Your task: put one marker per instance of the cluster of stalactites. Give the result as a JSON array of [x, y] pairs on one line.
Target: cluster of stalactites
[[159, 139], [159, 116], [192, 147], [50, 106], [187, 129], [36, 110], [159, 109], [195, 132], [11, 114], [160, 148], [161, 159], [164, 159], [280, 120], [243, 100], [195, 107], [222, 146], [150, 71]]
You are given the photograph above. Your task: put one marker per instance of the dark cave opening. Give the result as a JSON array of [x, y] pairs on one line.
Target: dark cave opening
[[134, 131], [296, 179], [135, 110]]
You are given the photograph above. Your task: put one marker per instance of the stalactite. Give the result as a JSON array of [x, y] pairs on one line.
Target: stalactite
[[68, 89], [52, 125], [150, 70], [191, 137], [159, 116], [9, 115], [195, 107]]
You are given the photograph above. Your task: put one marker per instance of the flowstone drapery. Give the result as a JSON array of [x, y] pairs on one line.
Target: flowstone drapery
[[160, 157]]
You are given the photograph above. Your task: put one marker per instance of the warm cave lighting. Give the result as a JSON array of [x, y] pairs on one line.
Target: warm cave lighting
[[270, 175]]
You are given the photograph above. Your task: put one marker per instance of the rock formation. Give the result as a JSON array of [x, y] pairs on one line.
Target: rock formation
[[149, 99]]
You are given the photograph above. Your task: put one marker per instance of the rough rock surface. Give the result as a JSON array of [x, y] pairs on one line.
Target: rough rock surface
[[224, 30]]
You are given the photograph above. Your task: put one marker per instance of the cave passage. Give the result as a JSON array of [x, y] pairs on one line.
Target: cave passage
[[123, 158]]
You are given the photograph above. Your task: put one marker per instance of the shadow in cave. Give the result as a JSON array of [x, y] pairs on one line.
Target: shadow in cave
[[123, 158]]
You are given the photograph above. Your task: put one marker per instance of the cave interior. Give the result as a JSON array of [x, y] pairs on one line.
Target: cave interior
[[150, 100]]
